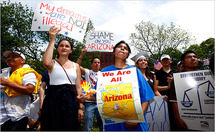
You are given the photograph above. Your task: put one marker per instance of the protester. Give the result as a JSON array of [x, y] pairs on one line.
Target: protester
[[121, 52], [44, 87], [60, 110], [179, 67], [190, 62], [90, 107], [19, 82], [141, 63], [164, 77]]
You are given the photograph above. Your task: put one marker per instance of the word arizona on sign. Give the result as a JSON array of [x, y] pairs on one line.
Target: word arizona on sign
[[70, 23], [102, 41], [116, 100]]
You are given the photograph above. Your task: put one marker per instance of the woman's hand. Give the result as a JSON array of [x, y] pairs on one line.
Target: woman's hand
[[53, 31], [81, 98], [80, 114]]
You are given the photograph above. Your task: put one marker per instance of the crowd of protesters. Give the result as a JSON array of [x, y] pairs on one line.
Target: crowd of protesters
[[62, 106]]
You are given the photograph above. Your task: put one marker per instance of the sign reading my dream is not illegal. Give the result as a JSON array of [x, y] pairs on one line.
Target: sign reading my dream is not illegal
[[70, 23]]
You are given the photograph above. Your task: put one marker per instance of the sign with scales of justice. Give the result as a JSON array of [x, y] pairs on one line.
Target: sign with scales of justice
[[195, 98]]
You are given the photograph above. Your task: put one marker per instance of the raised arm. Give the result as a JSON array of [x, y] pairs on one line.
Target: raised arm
[[47, 57], [79, 60]]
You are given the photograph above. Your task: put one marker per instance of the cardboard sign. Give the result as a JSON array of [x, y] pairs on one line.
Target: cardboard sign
[[102, 41], [71, 24], [195, 98], [117, 98], [157, 115]]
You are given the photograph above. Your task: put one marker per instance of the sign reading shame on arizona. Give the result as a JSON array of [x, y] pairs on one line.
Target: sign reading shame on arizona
[[117, 98], [70, 23], [102, 41], [195, 98]]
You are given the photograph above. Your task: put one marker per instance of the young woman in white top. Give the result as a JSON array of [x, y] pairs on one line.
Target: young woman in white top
[[60, 110]]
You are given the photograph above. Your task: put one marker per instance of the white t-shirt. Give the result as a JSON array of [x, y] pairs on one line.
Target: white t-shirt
[[91, 77]]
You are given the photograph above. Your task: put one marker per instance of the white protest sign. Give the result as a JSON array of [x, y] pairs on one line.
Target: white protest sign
[[102, 41], [117, 98], [157, 115], [195, 98], [70, 23]]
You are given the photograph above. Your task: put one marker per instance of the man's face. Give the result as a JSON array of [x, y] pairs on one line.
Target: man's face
[[95, 65], [14, 60], [166, 62], [190, 61]]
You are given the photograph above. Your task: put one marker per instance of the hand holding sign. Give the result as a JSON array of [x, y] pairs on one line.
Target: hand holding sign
[[53, 31], [70, 23]]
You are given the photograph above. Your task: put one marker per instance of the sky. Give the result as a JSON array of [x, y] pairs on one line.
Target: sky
[[120, 17]]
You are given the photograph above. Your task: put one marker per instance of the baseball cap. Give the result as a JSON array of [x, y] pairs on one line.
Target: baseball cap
[[165, 56], [6, 53]]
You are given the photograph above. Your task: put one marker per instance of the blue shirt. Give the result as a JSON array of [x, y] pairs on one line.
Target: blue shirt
[[146, 94]]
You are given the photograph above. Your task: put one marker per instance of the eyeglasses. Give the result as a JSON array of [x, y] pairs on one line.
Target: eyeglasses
[[189, 57]]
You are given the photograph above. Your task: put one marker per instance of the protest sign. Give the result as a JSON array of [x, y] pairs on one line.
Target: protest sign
[[70, 23], [195, 98], [116, 98], [157, 115], [102, 41]]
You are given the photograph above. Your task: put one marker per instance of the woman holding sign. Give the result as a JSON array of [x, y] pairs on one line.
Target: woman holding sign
[[121, 52], [60, 110]]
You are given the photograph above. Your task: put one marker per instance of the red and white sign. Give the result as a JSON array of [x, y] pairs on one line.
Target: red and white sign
[[71, 24]]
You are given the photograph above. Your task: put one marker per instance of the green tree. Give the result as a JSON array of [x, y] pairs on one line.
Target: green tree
[[205, 49], [156, 39], [175, 55], [15, 31], [16, 34]]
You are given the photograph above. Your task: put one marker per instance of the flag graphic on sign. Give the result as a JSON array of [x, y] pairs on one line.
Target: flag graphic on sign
[[157, 65]]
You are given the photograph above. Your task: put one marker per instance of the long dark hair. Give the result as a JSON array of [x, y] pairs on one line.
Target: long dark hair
[[56, 46]]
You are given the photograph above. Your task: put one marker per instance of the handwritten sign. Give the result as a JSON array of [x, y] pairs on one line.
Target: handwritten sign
[[70, 23], [157, 115], [116, 98], [102, 41], [195, 98]]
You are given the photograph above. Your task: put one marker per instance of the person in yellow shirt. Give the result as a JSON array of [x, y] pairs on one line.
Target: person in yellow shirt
[[18, 82]]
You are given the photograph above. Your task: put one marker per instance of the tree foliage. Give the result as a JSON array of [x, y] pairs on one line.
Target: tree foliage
[[157, 39], [205, 49], [16, 34]]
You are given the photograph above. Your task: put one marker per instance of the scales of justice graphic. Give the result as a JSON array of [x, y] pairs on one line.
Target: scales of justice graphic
[[209, 92]]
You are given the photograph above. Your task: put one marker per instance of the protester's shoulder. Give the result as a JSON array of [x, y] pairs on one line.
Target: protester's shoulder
[[174, 70], [26, 66], [159, 71], [109, 68]]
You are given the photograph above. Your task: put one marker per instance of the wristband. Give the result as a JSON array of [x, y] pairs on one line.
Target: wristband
[[80, 58]]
